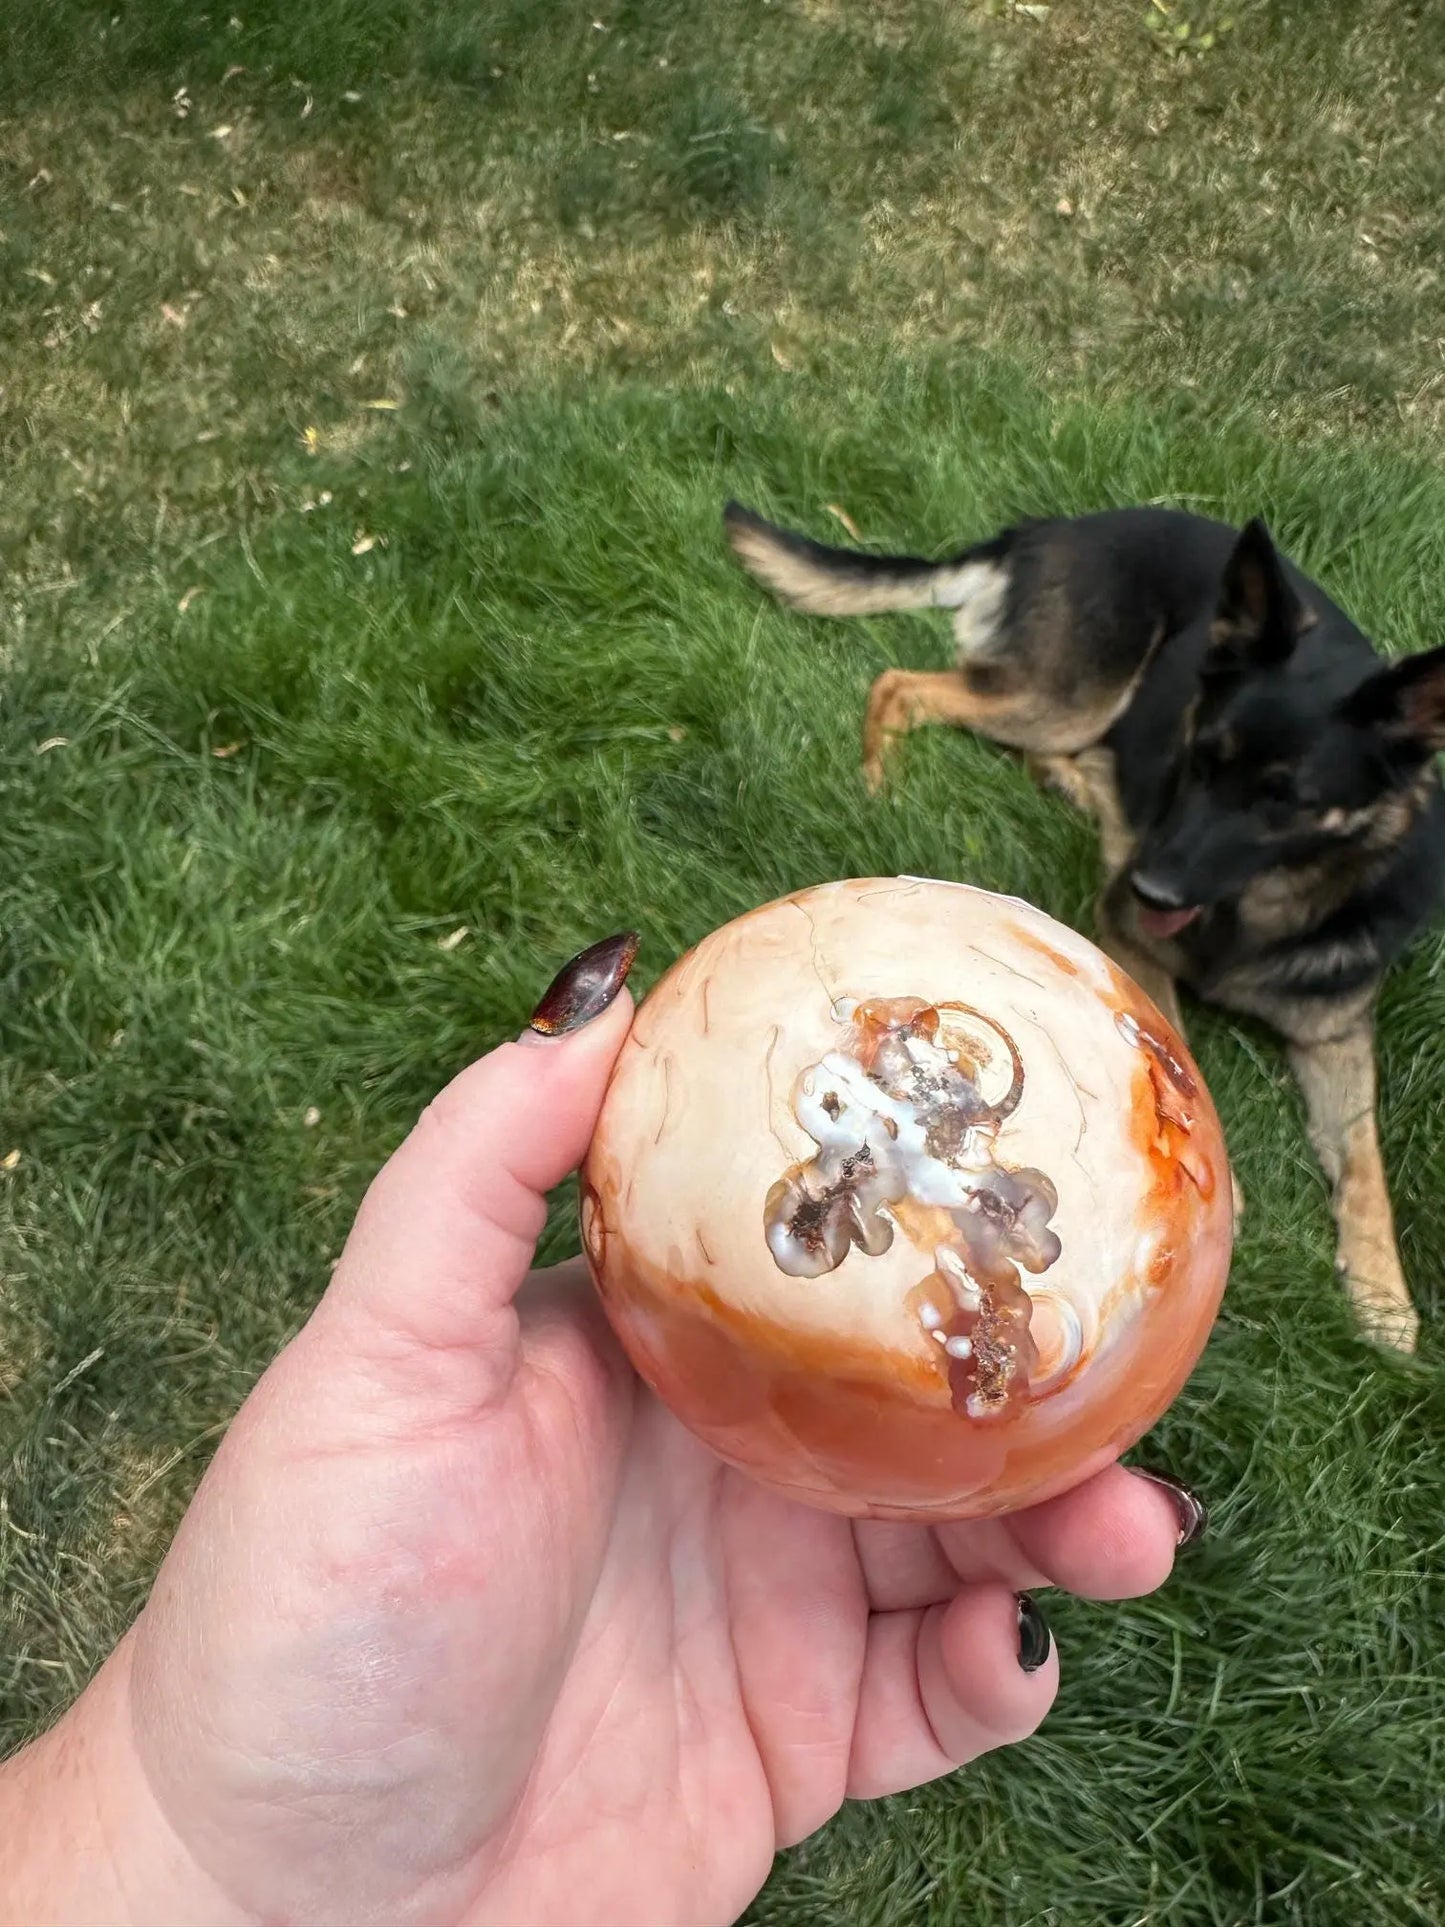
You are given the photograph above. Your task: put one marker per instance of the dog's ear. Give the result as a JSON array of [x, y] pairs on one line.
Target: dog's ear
[[1405, 703], [1259, 618]]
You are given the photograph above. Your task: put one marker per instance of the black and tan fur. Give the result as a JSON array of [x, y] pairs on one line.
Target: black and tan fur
[[1271, 817]]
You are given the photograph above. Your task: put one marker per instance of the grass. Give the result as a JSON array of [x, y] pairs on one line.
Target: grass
[[297, 687]]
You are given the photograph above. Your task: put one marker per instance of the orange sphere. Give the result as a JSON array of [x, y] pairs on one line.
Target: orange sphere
[[908, 1201]]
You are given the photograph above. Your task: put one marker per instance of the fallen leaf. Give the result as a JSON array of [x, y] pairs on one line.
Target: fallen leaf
[[1064, 205], [10, 1159], [456, 937], [52, 742], [846, 519], [312, 1117], [675, 732], [363, 545], [189, 597], [223, 132], [224, 751]]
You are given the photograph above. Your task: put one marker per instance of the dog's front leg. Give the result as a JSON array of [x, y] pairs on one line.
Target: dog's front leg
[[1337, 1077]]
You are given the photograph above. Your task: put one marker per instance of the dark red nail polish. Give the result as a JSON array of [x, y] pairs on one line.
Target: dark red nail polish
[[583, 988], [1035, 1639], [1193, 1512]]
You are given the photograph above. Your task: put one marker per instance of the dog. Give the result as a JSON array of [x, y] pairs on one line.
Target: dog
[[1270, 813]]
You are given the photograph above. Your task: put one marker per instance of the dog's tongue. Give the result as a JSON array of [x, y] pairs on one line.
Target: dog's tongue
[[1166, 923]]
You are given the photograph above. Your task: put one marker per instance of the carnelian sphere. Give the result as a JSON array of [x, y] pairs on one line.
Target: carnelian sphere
[[907, 1200]]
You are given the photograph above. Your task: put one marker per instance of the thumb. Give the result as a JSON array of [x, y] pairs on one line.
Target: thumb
[[446, 1233]]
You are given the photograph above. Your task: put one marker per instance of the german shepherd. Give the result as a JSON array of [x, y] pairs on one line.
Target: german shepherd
[[1271, 817]]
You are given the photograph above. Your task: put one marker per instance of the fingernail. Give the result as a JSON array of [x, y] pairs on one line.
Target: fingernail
[[584, 988], [1034, 1636], [1193, 1512]]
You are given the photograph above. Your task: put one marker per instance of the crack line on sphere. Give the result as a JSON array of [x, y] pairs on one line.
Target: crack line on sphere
[[1013, 970], [807, 916], [772, 1092], [1074, 1090]]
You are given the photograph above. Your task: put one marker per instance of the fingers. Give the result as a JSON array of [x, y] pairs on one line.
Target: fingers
[[942, 1678], [907, 1566], [944, 1684], [446, 1233], [1114, 1537]]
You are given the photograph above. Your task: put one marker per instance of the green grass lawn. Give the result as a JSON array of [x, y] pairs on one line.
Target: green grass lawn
[[371, 376]]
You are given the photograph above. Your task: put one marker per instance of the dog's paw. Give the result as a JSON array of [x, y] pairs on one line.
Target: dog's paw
[[1397, 1330], [1059, 775], [874, 779], [1383, 1309]]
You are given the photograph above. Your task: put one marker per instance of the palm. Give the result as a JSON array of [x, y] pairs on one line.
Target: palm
[[613, 1620]]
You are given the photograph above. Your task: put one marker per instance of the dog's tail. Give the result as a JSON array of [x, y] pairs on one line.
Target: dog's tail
[[846, 582]]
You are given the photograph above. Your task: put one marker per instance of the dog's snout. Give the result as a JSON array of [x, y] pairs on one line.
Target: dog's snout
[[1156, 894]]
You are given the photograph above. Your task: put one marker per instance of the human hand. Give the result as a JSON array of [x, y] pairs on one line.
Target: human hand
[[462, 1627]]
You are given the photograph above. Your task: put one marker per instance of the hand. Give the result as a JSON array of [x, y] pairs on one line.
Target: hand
[[462, 1627]]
